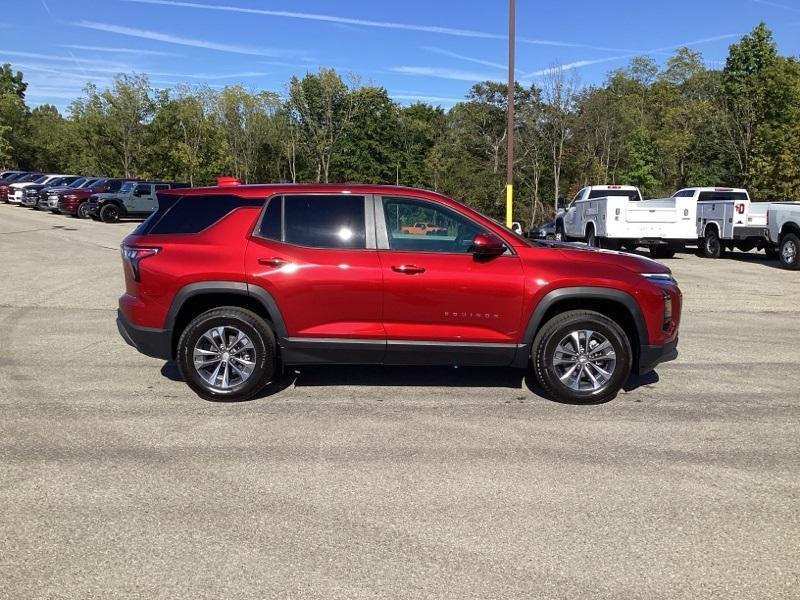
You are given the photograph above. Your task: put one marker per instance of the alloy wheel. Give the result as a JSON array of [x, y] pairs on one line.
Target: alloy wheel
[[224, 357], [584, 360]]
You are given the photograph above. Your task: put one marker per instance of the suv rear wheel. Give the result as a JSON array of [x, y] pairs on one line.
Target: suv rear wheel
[[581, 357], [227, 353]]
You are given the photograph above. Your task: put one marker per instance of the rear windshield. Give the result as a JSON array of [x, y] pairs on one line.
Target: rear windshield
[[718, 196], [629, 194]]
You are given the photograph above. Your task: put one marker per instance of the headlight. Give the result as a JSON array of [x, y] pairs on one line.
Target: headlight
[[665, 278]]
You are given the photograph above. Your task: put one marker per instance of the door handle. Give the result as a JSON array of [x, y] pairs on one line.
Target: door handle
[[408, 269], [275, 262]]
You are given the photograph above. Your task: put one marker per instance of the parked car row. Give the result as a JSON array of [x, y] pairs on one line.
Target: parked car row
[[101, 198]]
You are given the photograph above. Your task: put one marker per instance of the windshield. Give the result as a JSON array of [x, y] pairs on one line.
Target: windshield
[[78, 182], [629, 194], [127, 186], [41, 179], [88, 183]]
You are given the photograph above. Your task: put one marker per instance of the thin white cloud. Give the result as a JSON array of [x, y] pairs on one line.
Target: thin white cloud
[[58, 58], [421, 98], [114, 50], [210, 76], [445, 73], [439, 30], [777, 5], [574, 65], [477, 61], [47, 8], [169, 38]]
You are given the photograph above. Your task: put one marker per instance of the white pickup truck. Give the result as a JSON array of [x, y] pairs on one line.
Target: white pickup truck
[[613, 216], [783, 233]]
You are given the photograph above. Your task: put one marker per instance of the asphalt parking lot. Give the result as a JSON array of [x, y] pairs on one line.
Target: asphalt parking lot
[[116, 481]]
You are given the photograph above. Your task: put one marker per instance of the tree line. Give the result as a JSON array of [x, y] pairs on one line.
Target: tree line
[[658, 128]]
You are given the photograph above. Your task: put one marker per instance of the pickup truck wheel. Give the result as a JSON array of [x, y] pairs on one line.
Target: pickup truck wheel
[[790, 252], [581, 357], [662, 251], [227, 353], [109, 213], [81, 211], [711, 246]]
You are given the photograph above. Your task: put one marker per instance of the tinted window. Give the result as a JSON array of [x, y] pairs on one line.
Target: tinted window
[[629, 194], [143, 188], [192, 214], [114, 186], [333, 221], [271, 220], [126, 187], [427, 227], [718, 196]]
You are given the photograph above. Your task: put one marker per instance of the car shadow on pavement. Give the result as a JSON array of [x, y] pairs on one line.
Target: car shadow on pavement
[[411, 376]]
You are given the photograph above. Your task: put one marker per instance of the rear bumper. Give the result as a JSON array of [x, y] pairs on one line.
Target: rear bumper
[[150, 342], [651, 356]]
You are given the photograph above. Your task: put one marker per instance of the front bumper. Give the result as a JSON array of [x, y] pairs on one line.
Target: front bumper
[[29, 201], [652, 356], [147, 340]]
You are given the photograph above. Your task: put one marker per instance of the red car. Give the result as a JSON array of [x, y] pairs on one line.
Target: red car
[[73, 202], [233, 281], [18, 178]]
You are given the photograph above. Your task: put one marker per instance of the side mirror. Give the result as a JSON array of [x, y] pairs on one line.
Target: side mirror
[[487, 245]]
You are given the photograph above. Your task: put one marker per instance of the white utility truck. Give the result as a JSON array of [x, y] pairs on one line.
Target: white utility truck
[[614, 216], [714, 219], [727, 219], [783, 233]]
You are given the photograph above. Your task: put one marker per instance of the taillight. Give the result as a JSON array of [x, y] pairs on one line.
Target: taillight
[[135, 254]]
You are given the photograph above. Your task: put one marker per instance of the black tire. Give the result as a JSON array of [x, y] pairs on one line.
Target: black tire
[[591, 238], [109, 213], [711, 247], [249, 323], [662, 251], [609, 244], [80, 212], [789, 253], [559, 328]]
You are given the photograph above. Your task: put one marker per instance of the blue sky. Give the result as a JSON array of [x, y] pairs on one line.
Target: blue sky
[[418, 49]]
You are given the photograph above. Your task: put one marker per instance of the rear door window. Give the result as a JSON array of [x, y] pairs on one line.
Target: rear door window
[[325, 221]]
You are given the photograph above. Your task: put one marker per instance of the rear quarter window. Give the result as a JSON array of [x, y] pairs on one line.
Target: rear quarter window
[[192, 214]]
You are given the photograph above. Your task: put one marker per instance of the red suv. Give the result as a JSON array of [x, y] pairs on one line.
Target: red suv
[[232, 282]]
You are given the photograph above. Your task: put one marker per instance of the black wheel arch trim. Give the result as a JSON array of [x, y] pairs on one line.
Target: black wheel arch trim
[[240, 288], [535, 321]]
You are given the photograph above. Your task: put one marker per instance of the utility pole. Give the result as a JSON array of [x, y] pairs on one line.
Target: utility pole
[[510, 116]]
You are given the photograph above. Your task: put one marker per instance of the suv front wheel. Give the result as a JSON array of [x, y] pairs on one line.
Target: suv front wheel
[[581, 357], [227, 353]]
